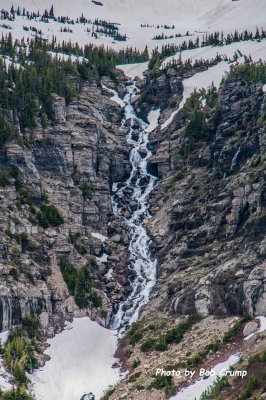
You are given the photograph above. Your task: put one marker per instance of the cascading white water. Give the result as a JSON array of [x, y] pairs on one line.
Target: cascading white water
[[140, 184], [87, 364]]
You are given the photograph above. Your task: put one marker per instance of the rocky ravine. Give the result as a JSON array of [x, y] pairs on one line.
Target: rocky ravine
[[71, 164], [208, 228], [208, 219], [209, 211]]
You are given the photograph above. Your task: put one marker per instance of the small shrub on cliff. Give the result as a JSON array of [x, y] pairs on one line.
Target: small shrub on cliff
[[211, 96], [69, 274], [163, 382], [147, 345], [81, 249], [16, 394], [86, 191], [49, 215], [162, 344], [213, 392], [136, 363], [4, 181], [135, 337], [248, 389], [147, 97], [79, 284], [232, 332], [14, 273], [108, 393], [95, 299], [197, 127], [19, 356], [31, 325], [176, 178], [5, 131], [176, 334]]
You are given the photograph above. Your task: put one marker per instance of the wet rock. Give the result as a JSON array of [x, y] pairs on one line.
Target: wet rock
[[72, 164], [88, 396], [133, 205], [135, 135], [127, 305], [116, 239], [143, 152]]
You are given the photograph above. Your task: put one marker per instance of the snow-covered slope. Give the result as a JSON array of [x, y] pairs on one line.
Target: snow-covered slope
[[257, 50], [194, 16], [81, 362]]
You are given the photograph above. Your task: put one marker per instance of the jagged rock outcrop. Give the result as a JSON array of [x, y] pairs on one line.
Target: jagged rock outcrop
[[71, 165], [208, 211]]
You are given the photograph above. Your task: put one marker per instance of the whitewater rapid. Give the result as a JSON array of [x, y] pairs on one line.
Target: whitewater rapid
[[140, 184], [82, 356]]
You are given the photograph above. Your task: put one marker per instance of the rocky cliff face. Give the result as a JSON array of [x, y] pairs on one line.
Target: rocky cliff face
[[70, 166], [208, 211], [208, 228]]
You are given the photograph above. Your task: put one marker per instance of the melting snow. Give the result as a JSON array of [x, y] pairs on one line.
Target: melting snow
[[81, 362], [153, 119], [197, 17], [115, 97], [141, 260], [99, 236], [198, 81], [262, 327], [134, 70], [103, 258], [194, 391], [4, 376], [109, 273], [257, 50], [4, 337]]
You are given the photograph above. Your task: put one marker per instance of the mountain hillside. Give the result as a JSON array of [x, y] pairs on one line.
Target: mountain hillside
[[144, 20], [132, 200]]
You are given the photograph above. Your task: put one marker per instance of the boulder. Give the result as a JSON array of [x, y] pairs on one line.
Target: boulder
[[250, 328]]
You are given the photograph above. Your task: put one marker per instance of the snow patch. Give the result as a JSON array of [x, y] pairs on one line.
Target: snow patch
[[153, 119], [109, 273], [4, 337], [81, 362], [194, 391], [257, 50], [134, 70], [115, 97], [197, 17], [198, 81], [99, 236], [262, 327], [4, 376], [103, 258]]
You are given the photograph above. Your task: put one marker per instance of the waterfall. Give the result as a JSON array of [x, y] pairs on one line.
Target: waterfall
[[140, 184], [237, 153]]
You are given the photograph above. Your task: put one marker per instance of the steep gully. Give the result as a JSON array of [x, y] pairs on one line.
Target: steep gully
[[136, 189], [94, 346]]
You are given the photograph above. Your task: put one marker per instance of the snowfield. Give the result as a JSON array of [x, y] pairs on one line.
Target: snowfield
[[5, 377], [81, 362], [82, 355], [195, 16], [134, 70], [205, 79], [257, 50], [194, 391]]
